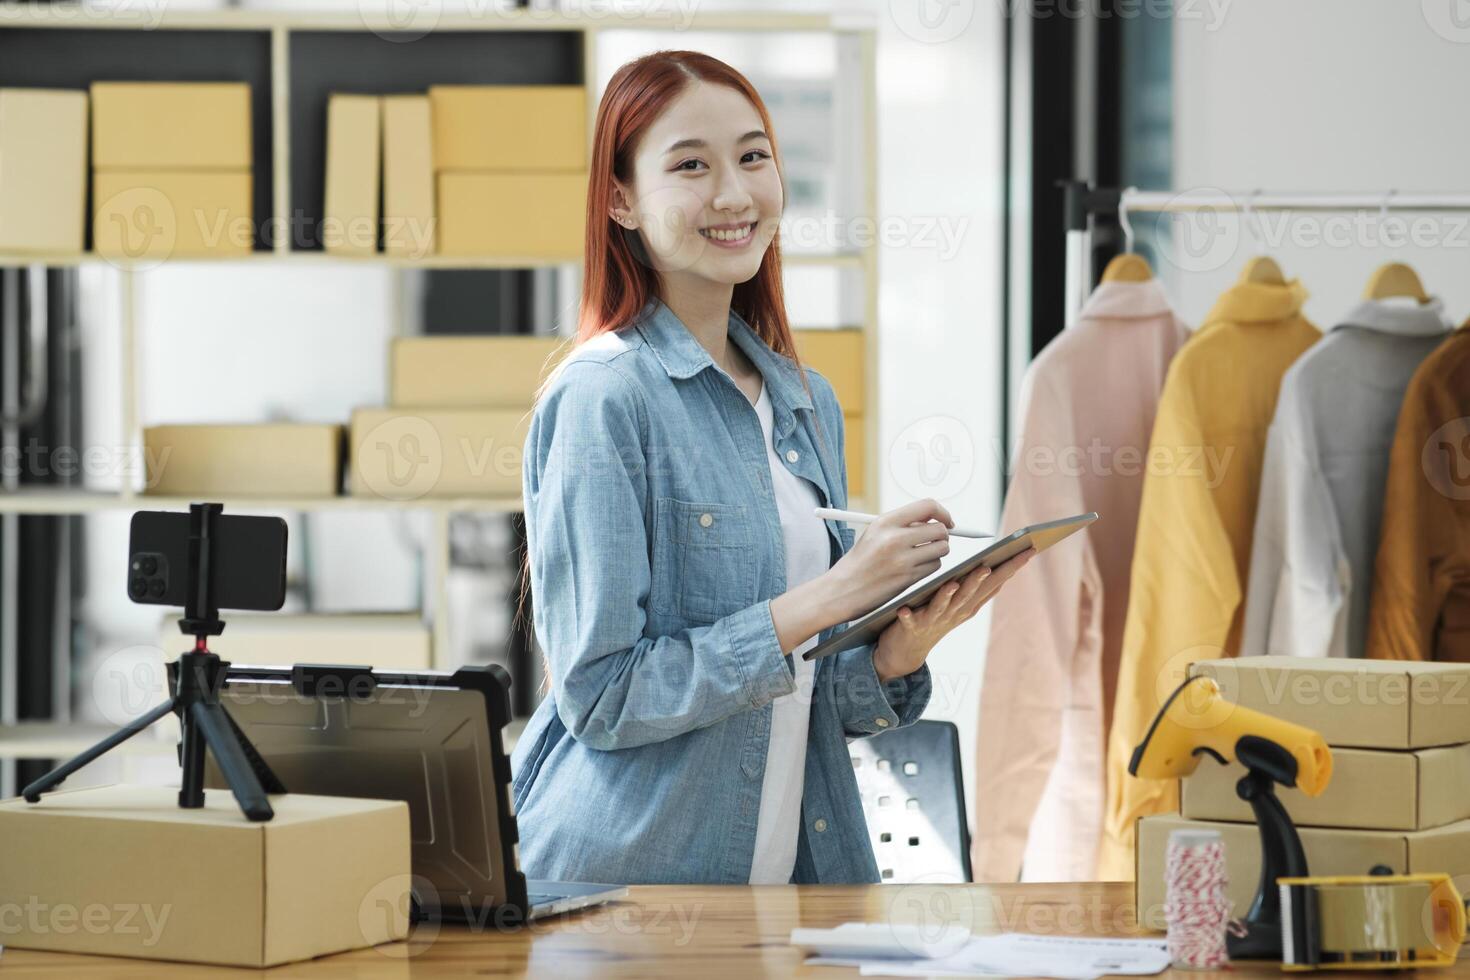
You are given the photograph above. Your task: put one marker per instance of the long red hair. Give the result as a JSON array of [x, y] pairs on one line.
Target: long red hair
[[617, 283]]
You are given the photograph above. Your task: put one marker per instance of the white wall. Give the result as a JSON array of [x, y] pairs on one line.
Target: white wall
[[941, 85], [1325, 95]]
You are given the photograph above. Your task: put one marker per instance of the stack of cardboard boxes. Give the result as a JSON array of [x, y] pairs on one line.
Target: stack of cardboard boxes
[[1400, 789], [511, 168], [466, 170], [459, 411], [171, 169]]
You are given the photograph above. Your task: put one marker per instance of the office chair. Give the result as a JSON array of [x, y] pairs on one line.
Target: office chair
[[914, 801]]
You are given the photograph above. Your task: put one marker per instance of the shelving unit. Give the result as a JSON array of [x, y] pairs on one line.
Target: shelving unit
[[286, 55]]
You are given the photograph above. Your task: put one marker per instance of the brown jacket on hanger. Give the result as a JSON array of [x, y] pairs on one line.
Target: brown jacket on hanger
[[1421, 590]]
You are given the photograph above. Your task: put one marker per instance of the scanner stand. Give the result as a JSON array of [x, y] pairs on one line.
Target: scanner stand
[[1268, 764], [195, 680]]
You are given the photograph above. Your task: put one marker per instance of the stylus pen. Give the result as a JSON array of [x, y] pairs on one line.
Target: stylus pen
[[858, 517]]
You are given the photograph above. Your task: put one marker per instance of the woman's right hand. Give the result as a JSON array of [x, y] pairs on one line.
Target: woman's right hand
[[901, 547]]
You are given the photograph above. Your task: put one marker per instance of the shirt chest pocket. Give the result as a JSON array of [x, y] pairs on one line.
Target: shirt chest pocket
[[702, 562]]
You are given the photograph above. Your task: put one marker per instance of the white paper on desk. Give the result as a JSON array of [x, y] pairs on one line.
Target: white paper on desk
[[1022, 955]]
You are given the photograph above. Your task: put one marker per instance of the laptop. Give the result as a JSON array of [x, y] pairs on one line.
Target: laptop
[[429, 738]]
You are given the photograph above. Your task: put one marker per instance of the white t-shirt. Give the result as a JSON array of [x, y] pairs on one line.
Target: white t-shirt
[[808, 554]]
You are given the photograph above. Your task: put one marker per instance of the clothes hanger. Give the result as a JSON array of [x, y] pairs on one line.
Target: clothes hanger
[[1261, 269], [1394, 278], [1127, 267]]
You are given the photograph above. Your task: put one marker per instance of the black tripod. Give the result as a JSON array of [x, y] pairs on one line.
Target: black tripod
[[195, 679]]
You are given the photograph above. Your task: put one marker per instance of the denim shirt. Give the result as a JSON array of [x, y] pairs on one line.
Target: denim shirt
[[655, 549]]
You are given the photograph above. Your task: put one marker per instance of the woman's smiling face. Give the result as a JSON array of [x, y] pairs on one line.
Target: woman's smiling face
[[706, 196]]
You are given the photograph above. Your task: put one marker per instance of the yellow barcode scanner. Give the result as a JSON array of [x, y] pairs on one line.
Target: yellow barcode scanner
[[1196, 720]]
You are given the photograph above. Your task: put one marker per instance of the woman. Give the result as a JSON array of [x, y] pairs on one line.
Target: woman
[[671, 470]]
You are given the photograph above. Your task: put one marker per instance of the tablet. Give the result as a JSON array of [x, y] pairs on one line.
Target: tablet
[[866, 630]]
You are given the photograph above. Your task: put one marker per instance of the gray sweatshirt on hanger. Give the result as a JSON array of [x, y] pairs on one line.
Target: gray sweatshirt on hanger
[[1322, 481]]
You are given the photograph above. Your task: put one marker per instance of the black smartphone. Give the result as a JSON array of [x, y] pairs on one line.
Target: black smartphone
[[249, 557]]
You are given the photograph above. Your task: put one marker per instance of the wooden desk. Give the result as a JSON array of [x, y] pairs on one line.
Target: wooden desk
[[680, 931]]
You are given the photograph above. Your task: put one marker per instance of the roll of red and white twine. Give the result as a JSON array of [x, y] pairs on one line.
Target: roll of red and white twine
[[1196, 907]]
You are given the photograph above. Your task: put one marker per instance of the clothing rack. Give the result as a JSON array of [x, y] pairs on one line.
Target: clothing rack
[[1082, 202]]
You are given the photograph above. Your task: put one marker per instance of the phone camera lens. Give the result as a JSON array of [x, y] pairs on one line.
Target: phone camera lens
[[138, 586], [148, 565], [155, 588]]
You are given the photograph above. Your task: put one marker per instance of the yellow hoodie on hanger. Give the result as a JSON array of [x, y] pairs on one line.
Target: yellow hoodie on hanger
[[1197, 513]]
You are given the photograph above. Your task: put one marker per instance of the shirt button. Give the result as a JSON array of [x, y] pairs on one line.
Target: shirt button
[[881, 722], [792, 455], [705, 520], [820, 825]]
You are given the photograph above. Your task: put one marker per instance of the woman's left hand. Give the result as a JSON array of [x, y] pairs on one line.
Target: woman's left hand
[[905, 643]]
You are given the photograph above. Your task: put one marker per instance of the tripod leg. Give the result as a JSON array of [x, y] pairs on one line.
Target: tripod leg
[[213, 724], [191, 761], [267, 776], [54, 778]]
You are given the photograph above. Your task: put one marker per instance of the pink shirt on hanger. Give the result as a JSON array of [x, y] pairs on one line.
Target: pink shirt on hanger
[[1087, 410]]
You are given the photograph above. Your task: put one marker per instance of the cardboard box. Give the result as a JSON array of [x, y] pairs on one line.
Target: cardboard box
[[408, 176], [1369, 704], [1371, 790], [402, 454], [160, 214], [288, 460], [354, 147], [396, 641], [171, 126], [856, 436], [539, 216], [1329, 852], [839, 356], [123, 871], [43, 170], [471, 372], [510, 127]]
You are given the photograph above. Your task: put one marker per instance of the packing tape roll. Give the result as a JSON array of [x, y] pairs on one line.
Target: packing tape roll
[[1383, 918]]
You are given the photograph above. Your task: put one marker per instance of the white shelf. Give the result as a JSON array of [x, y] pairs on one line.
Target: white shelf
[[381, 260], [89, 502], [92, 15], [56, 740]]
